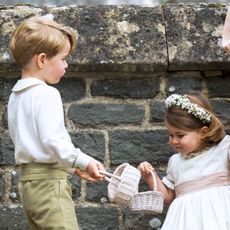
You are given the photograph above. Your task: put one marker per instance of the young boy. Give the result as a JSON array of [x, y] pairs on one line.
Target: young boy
[[43, 147]]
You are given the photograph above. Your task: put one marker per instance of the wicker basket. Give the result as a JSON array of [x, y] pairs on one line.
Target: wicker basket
[[148, 202], [123, 184]]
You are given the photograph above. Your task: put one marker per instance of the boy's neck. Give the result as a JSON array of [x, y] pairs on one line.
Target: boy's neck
[[31, 69], [28, 73]]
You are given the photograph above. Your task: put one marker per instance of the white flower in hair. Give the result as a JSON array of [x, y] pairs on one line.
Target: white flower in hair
[[48, 16], [183, 102]]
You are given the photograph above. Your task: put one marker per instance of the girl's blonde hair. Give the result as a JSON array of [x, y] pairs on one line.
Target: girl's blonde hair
[[181, 119], [37, 35]]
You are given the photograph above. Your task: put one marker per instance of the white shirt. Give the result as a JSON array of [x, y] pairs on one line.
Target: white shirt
[[37, 129]]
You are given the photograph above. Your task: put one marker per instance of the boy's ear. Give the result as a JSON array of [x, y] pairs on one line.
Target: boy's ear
[[41, 59], [203, 131]]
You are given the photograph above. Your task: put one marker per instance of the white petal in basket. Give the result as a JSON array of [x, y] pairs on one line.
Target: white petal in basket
[[148, 202], [123, 184]]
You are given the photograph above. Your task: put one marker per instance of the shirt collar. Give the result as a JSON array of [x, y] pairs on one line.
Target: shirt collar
[[26, 83]]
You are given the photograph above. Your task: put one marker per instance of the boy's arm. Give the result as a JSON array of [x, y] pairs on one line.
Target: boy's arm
[[55, 139]]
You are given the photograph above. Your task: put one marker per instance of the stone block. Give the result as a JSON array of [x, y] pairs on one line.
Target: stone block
[[106, 114], [157, 111], [137, 221], [218, 86], [97, 192], [126, 88], [92, 143], [194, 35], [2, 185], [95, 218], [183, 85], [12, 218], [137, 146], [71, 89], [75, 182], [222, 109], [6, 150]]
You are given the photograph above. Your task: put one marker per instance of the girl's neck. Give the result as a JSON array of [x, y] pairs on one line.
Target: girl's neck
[[203, 148]]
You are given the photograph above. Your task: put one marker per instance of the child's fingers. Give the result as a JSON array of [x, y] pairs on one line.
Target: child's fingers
[[145, 167], [84, 175]]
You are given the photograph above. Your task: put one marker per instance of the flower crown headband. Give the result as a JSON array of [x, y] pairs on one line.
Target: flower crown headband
[[183, 102]]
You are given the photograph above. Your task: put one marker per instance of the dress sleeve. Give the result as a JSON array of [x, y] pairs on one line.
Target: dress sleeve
[[53, 134], [168, 180]]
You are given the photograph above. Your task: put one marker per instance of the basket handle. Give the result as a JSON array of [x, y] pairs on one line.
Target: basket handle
[[109, 175], [154, 180]]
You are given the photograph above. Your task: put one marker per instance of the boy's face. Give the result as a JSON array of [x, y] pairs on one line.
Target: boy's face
[[54, 67]]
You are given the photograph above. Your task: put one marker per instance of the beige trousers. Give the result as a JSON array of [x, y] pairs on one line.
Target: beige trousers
[[46, 197]]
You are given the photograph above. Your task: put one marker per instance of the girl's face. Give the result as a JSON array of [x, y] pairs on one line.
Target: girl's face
[[184, 141]]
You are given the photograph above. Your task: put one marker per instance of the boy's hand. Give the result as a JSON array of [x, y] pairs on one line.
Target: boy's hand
[[84, 175], [93, 170], [91, 173]]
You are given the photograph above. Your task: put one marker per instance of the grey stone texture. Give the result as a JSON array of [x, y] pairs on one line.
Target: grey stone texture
[[6, 150], [138, 146], [136, 88], [12, 218], [71, 89], [91, 143], [106, 218], [107, 114], [128, 60], [2, 185]]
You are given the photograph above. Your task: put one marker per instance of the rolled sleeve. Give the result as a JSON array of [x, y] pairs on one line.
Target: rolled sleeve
[[82, 160]]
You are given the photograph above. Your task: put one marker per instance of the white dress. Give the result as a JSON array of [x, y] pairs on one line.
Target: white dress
[[206, 209]]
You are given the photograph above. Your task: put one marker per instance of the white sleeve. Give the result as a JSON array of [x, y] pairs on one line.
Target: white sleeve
[[168, 180], [53, 134]]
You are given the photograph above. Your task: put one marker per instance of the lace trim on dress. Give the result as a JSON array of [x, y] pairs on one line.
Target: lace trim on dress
[[195, 154]]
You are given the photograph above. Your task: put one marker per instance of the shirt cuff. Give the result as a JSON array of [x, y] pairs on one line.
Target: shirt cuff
[[82, 160]]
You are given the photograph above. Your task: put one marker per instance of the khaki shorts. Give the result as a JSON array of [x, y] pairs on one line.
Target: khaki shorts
[[47, 203]]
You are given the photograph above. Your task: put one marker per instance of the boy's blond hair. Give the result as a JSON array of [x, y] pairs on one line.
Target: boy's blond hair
[[37, 35]]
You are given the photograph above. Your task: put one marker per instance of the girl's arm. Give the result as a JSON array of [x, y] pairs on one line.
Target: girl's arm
[[145, 169]]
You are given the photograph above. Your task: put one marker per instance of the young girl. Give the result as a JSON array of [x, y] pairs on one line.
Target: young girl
[[197, 181]]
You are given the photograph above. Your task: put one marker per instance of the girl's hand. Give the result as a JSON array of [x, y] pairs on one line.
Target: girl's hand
[[145, 168]]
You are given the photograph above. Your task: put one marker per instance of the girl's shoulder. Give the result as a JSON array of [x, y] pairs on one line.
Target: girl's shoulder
[[224, 142], [174, 158]]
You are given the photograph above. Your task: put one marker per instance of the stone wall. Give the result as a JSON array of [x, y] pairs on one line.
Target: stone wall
[[128, 60]]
